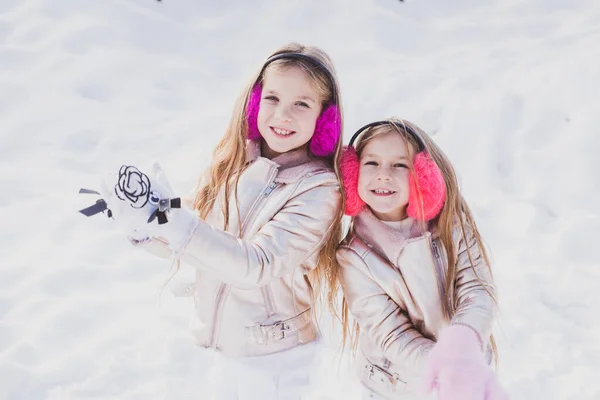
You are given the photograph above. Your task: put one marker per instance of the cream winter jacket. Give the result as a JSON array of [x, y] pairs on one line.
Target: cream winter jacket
[[252, 296], [394, 285]]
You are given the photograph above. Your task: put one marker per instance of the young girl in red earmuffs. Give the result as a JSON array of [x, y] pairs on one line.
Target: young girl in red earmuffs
[[414, 271]]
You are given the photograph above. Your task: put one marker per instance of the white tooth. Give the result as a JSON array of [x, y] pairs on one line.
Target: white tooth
[[282, 131]]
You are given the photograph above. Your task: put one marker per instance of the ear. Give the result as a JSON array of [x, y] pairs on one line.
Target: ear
[[350, 166], [430, 181]]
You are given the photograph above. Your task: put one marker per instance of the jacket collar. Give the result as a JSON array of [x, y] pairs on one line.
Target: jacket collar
[[291, 165], [386, 240]]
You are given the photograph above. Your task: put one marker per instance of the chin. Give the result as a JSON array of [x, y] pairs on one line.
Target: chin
[[386, 210], [382, 211], [281, 149]]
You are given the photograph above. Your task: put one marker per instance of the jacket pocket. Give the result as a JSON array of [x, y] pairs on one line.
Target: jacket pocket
[[280, 330], [377, 378], [267, 293]]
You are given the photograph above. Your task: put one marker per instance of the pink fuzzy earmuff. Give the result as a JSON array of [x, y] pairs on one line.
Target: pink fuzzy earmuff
[[350, 168], [430, 182], [328, 126], [252, 112], [427, 179]]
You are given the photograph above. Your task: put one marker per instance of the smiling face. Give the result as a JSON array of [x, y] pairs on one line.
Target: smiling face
[[289, 108], [383, 176]]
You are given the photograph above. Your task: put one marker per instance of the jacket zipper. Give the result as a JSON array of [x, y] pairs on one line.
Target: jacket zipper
[[439, 271], [436, 251], [220, 298], [266, 290], [266, 192], [224, 289]]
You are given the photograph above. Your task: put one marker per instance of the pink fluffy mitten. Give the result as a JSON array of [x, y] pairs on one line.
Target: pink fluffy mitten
[[456, 368]]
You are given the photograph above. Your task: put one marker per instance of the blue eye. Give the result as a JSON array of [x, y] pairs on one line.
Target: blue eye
[[302, 104], [271, 98]]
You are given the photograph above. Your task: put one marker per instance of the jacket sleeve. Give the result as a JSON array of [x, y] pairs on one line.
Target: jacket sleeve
[[153, 245], [379, 317], [293, 237], [475, 292]]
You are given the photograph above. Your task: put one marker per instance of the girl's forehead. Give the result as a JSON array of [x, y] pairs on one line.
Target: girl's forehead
[[290, 78], [389, 144], [291, 72]]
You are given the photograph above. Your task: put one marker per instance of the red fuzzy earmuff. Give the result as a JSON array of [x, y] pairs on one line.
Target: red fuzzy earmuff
[[427, 179]]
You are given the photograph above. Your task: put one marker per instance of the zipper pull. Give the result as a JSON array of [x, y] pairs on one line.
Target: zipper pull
[[436, 252], [270, 188]]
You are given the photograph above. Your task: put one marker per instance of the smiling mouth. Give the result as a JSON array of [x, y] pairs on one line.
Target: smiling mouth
[[383, 192], [279, 132]]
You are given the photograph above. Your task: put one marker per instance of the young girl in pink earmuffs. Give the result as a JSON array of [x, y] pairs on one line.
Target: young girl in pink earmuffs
[[414, 272], [262, 230]]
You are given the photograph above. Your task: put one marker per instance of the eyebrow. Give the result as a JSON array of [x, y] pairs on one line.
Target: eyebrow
[[308, 98], [375, 155]]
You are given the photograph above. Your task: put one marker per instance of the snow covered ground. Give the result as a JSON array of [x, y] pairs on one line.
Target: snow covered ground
[[509, 88]]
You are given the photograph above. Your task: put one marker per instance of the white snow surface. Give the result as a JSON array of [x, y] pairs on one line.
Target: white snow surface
[[509, 89]]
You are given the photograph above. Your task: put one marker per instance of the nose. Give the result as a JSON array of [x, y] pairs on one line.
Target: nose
[[383, 174], [284, 113]]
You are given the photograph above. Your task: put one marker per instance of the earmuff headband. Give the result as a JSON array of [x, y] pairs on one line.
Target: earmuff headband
[[404, 127], [311, 60]]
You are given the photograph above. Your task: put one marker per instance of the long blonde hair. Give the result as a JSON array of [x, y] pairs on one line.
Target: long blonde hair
[[454, 214], [229, 157]]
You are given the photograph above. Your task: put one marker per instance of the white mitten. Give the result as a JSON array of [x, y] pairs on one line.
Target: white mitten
[[145, 206]]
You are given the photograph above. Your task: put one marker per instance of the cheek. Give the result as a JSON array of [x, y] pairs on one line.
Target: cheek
[[263, 112], [308, 119], [403, 185], [315, 114], [363, 180], [261, 116], [402, 177]]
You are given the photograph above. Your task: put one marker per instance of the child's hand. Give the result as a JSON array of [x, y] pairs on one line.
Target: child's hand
[[131, 197], [144, 205], [456, 368]]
